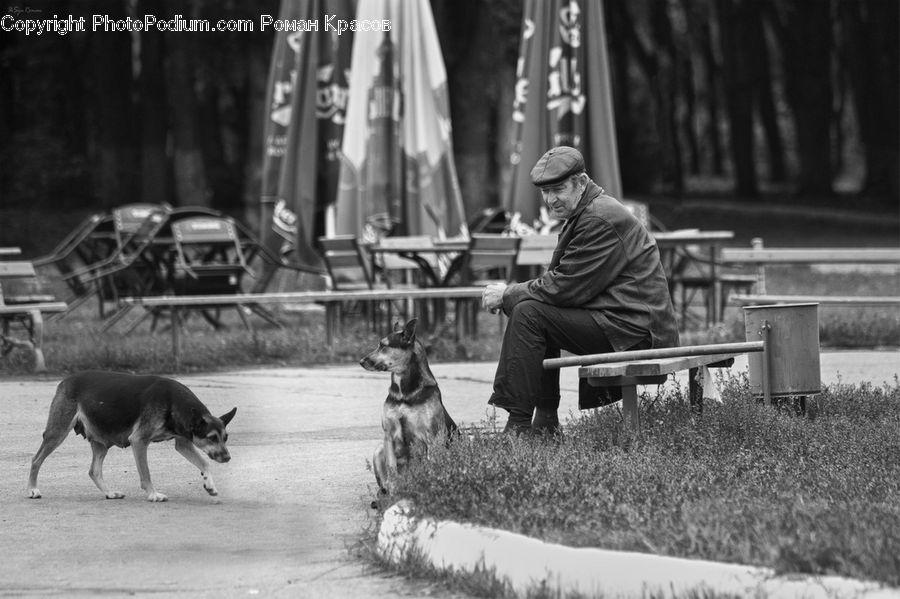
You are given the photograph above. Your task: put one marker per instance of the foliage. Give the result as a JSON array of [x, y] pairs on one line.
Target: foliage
[[87, 115], [75, 341], [743, 482]]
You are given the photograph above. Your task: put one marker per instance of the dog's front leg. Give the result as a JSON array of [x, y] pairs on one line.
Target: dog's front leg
[[96, 471], [190, 453], [388, 461], [139, 447]]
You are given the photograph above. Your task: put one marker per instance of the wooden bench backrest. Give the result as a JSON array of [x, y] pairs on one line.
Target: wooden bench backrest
[[344, 259], [391, 261], [16, 269], [493, 253], [131, 218], [536, 250], [12, 275]]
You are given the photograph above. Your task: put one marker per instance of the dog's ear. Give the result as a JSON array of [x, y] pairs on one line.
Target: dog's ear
[[226, 418], [397, 326], [198, 424], [409, 332]]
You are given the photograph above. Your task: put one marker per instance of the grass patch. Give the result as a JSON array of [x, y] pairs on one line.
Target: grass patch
[[839, 327], [745, 483], [75, 342]]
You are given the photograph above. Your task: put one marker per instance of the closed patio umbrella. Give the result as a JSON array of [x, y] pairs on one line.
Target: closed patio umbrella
[[563, 97]]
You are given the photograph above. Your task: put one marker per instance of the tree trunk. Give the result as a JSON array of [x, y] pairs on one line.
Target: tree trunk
[[622, 101], [253, 139], [153, 111], [712, 72], [763, 82], [113, 155], [188, 166], [478, 60], [738, 93], [873, 68], [690, 114], [645, 151], [667, 84], [806, 40]]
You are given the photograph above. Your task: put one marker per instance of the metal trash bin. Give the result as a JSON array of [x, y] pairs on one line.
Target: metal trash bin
[[791, 359]]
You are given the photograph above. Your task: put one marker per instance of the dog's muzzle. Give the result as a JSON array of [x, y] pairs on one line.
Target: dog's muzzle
[[219, 456], [369, 364]]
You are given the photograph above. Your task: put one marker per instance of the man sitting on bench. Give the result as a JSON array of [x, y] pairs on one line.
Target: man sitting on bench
[[605, 290]]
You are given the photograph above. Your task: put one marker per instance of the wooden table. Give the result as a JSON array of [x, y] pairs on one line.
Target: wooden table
[[416, 253], [669, 242]]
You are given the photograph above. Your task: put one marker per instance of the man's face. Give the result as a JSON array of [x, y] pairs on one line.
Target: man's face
[[562, 198]]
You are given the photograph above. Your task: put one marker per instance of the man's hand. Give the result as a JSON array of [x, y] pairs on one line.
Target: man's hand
[[492, 297]]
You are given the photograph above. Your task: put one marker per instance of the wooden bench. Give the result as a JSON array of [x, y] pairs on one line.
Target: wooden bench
[[628, 369], [331, 299], [760, 257], [26, 307]]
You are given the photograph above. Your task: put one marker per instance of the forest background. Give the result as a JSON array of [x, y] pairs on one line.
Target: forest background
[[784, 101]]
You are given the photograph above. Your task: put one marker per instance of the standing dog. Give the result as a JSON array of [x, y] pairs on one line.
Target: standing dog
[[111, 408], [414, 416]]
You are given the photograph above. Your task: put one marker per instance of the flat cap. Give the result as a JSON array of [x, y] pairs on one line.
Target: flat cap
[[556, 165]]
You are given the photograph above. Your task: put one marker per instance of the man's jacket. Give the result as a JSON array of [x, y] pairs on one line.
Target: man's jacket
[[606, 262]]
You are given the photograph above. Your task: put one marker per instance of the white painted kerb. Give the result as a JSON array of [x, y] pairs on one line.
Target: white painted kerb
[[527, 563]]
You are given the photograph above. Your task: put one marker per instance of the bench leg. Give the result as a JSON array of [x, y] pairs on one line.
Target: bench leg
[[37, 339], [176, 330], [630, 407], [332, 318], [695, 391]]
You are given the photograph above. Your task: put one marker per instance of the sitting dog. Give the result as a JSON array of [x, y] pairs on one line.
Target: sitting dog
[[414, 415], [111, 408]]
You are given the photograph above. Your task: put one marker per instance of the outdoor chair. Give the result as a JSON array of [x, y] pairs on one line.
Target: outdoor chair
[[209, 260], [397, 272], [349, 270], [116, 253], [346, 265], [79, 249], [489, 259], [691, 274], [695, 278], [641, 210], [208, 257]]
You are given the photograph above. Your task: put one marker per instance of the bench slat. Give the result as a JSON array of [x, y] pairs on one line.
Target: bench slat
[[811, 255], [16, 269], [872, 300], [26, 308], [660, 366], [684, 351], [307, 296]]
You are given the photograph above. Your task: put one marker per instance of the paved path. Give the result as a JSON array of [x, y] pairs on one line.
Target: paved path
[[292, 500]]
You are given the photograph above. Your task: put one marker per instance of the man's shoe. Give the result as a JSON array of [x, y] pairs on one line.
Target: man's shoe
[[546, 422], [517, 429], [519, 422]]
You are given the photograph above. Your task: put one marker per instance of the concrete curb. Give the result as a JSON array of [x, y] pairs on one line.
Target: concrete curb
[[527, 563]]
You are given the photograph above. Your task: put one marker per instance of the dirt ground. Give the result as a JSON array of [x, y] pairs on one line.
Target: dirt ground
[[291, 502]]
